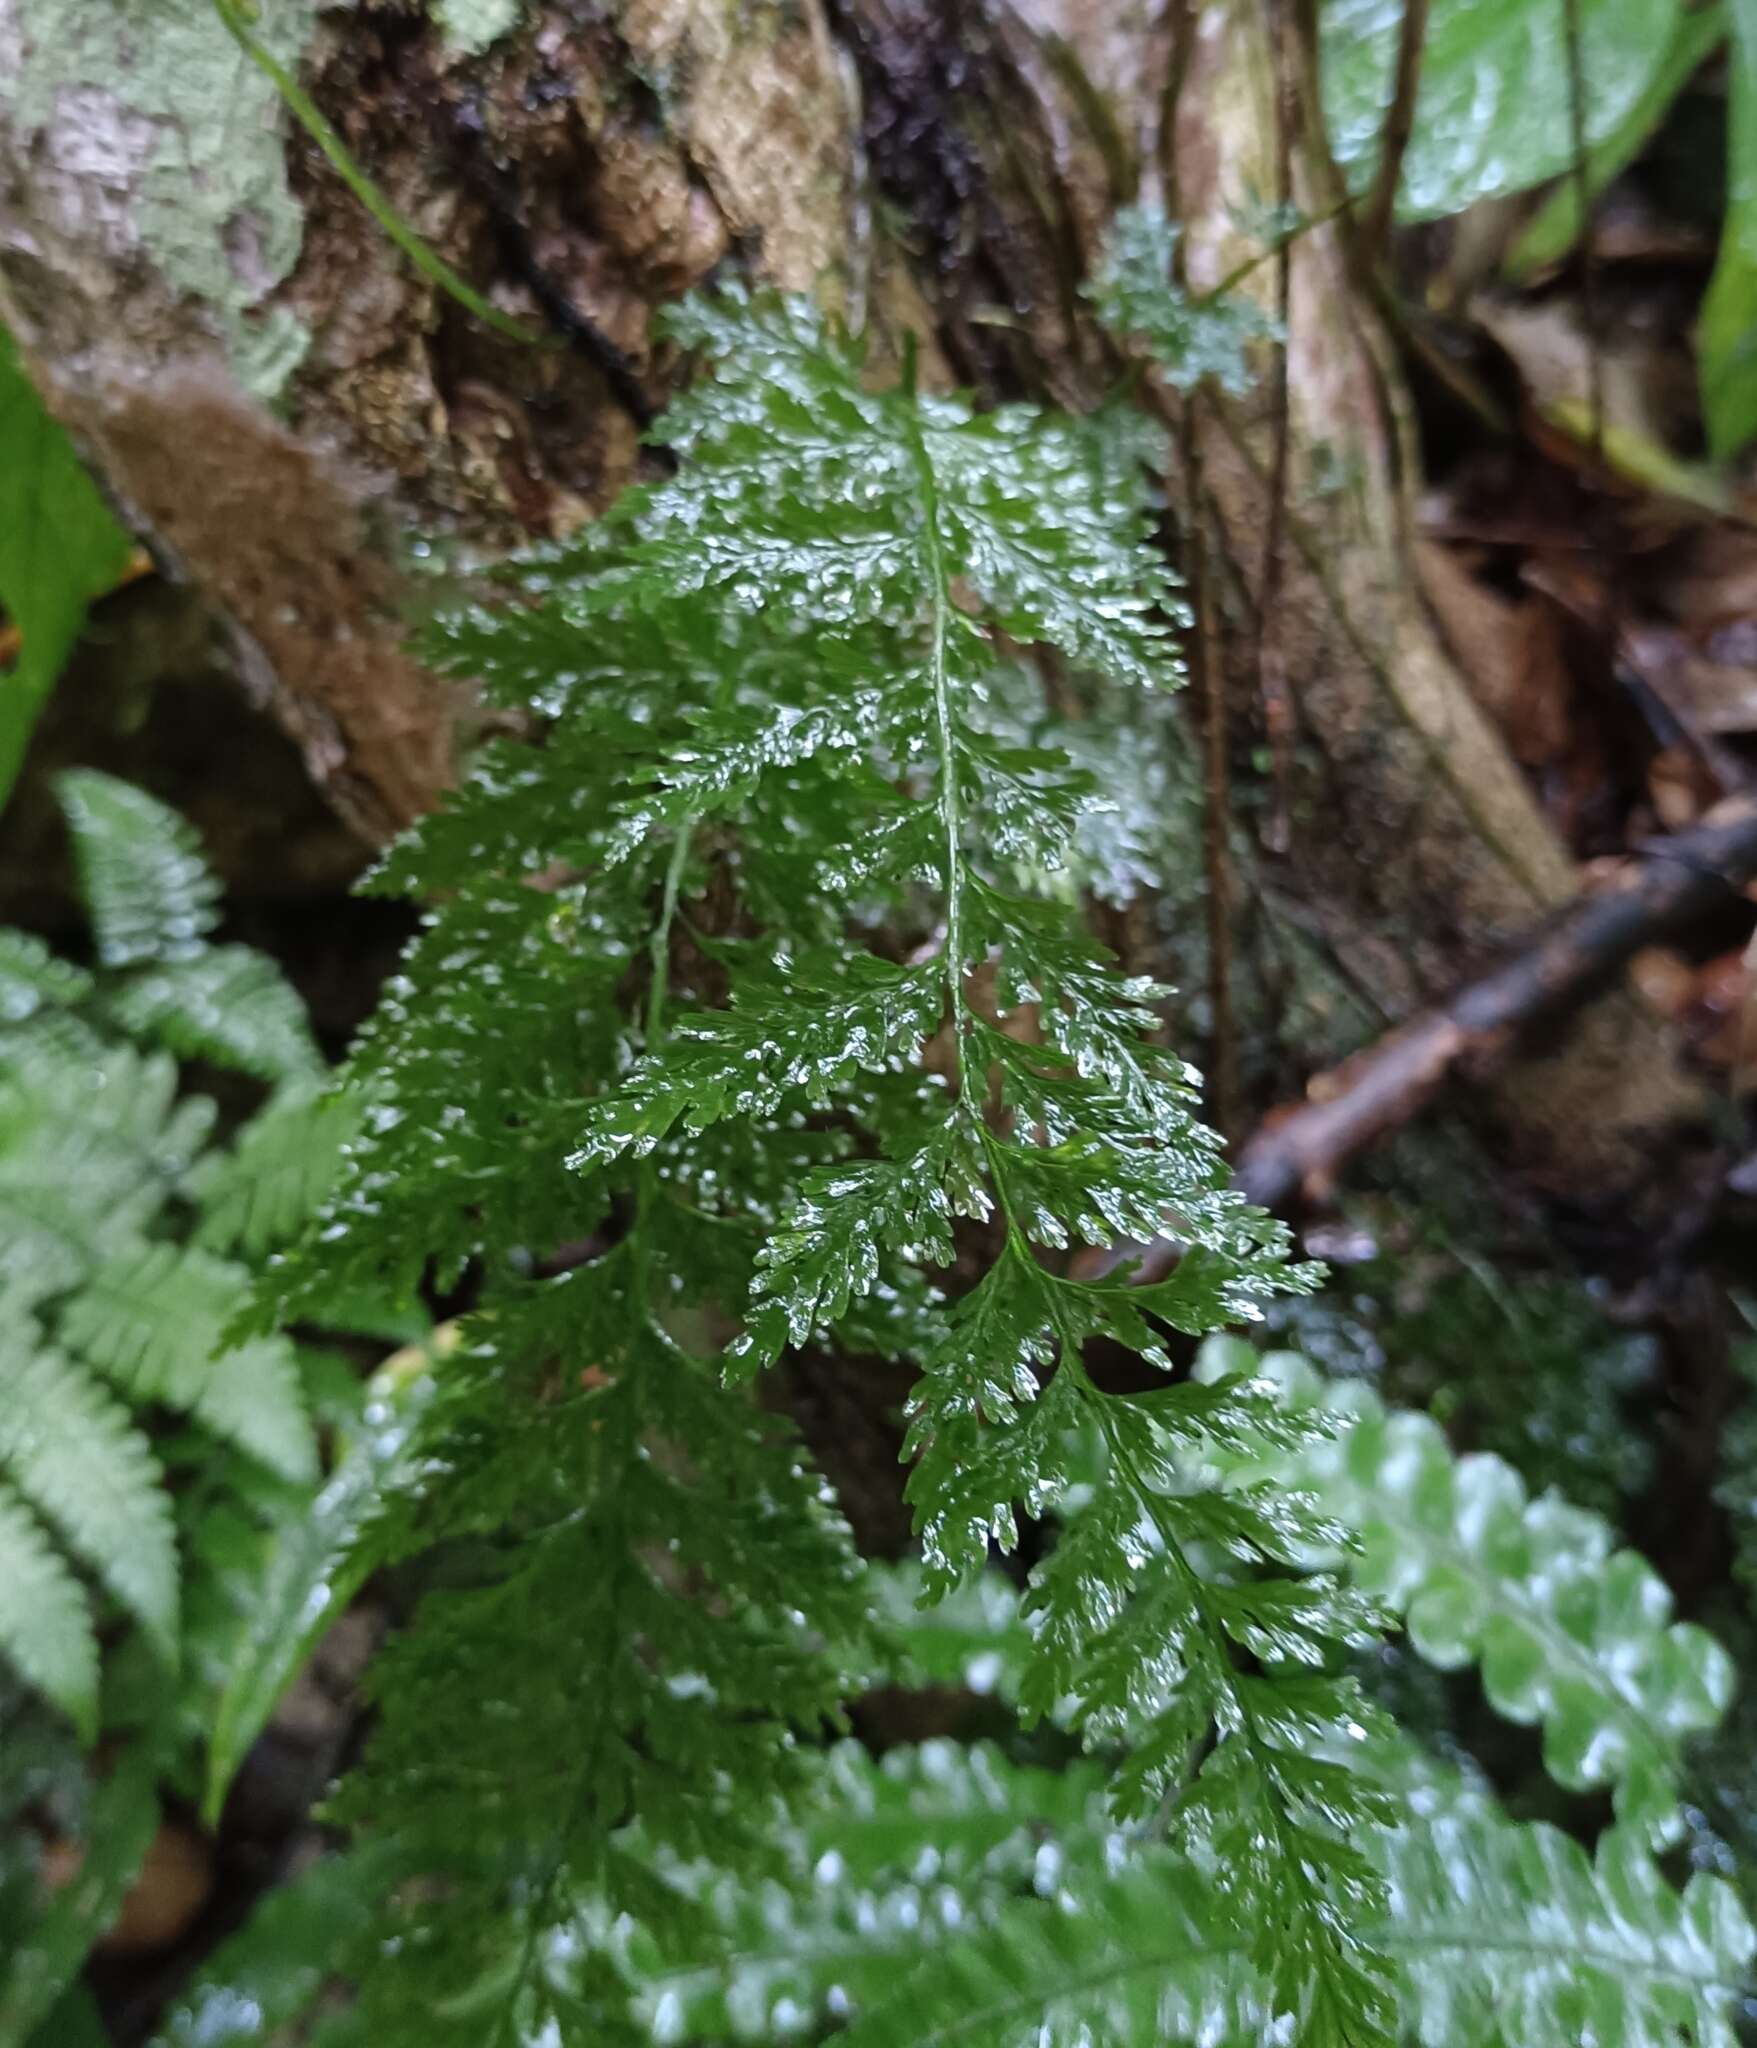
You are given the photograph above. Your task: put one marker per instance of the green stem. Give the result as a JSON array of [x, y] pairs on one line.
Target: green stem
[[950, 807], [236, 15], [1240, 271], [659, 945]]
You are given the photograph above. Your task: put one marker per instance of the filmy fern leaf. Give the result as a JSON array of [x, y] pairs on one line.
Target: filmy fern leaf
[[966, 528], [781, 701]]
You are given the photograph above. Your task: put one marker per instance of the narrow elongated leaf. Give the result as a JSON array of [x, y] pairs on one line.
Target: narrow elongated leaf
[[315, 1571]]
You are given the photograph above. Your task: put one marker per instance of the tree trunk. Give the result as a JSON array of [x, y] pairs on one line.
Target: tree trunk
[[283, 404]]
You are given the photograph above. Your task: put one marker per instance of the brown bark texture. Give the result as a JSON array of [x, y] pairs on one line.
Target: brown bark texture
[[941, 166]]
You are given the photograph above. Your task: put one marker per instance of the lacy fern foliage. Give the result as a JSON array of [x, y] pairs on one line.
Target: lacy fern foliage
[[645, 1080], [752, 1014]]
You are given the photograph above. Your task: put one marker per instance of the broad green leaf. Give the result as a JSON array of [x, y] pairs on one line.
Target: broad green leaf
[[1556, 227], [1726, 339], [59, 549], [1492, 112]]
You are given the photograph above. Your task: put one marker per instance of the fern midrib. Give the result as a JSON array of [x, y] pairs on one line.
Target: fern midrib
[[1573, 1953], [950, 807]]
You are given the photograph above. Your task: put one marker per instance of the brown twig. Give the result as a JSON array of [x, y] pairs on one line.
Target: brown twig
[[1374, 225], [1663, 889]]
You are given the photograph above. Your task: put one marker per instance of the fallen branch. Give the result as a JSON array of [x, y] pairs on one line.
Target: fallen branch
[[1658, 892]]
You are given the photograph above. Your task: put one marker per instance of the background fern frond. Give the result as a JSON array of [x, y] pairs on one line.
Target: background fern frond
[[71, 1451], [154, 1320], [1572, 1633], [228, 1005], [261, 1193], [46, 1628], [145, 884]]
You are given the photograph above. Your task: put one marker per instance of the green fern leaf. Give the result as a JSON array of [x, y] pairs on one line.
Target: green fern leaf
[[93, 1141], [1191, 338], [1572, 1633], [45, 1629], [153, 1320], [228, 1005], [72, 1453], [33, 978], [282, 1166], [145, 882]]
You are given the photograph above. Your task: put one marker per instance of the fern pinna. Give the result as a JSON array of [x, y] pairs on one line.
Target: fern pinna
[[746, 1010]]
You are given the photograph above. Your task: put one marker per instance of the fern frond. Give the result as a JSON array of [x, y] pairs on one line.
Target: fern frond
[[1497, 1932], [71, 1451], [46, 1629], [1502, 1928], [279, 1171], [905, 1854], [153, 1320], [229, 1005], [1097, 1140], [145, 883], [93, 1141], [1191, 338], [33, 978], [1572, 1633], [774, 688]]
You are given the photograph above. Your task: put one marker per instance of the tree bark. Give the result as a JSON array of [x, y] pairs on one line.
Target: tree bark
[[282, 403]]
